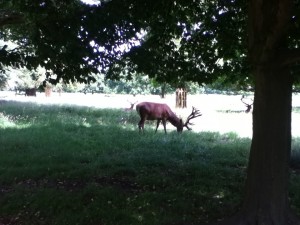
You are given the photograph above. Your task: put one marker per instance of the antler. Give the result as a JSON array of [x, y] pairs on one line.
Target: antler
[[195, 113], [249, 106], [131, 105]]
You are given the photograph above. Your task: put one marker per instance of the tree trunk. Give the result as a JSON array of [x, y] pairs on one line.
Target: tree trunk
[[266, 197], [163, 90], [266, 192], [181, 98]]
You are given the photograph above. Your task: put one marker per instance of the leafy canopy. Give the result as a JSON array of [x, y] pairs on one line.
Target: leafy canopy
[[171, 41]]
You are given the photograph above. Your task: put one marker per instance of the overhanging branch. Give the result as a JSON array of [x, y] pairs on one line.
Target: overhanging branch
[[9, 17], [290, 57]]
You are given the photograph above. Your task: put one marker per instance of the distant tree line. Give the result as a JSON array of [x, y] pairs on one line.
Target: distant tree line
[[138, 84]]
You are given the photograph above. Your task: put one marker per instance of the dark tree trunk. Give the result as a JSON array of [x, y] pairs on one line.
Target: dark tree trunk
[[266, 197], [266, 191], [163, 90]]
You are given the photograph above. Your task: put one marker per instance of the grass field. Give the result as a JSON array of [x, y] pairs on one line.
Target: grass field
[[66, 164], [211, 106]]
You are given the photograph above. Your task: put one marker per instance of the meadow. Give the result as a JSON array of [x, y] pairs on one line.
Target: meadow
[[66, 164]]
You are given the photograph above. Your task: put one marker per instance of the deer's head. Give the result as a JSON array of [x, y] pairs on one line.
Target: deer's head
[[195, 113]]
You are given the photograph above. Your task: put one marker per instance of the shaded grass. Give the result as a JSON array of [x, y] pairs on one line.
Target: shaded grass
[[80, 165]]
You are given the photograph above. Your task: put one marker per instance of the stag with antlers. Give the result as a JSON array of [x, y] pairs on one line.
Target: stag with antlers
[[163, 113], [249, 106]]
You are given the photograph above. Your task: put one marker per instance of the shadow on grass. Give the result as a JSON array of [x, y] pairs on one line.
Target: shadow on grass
[[81, 165]]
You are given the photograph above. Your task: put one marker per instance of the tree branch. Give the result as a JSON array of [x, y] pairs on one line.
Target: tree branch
[[10, 17], [289, 57]]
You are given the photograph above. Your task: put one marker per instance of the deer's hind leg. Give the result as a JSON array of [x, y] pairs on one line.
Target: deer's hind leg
[[141, 125]]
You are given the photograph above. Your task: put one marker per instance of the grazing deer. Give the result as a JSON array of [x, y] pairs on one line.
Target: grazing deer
[[131, 106], [125, 118], [162, 112], [249, 106]]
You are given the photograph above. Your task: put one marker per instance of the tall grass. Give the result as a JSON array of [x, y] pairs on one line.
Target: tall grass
[[80, 165]]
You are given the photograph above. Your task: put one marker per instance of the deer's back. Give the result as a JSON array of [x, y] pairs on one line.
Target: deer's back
[[153, 111]]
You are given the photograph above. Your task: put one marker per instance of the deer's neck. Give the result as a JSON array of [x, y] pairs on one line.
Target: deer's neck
[[174, 120]]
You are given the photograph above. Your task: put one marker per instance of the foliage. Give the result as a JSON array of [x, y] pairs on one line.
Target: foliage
[[138, 84], [177, 42], [28, 79], [72, 39], [49, 36], [3, 80]]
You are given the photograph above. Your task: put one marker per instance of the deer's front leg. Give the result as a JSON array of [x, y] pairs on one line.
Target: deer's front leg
[[157, 124], [164, 122]]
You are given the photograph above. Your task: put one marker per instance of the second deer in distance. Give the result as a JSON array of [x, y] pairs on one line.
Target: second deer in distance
[[124, 119], [163, 113], [131, 106], [249, 106]]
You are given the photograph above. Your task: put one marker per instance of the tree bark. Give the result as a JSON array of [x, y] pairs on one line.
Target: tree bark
[[266, 190], [163, 90], [266, 195]]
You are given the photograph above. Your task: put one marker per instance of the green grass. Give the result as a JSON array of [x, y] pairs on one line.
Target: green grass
[[79, 165]]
